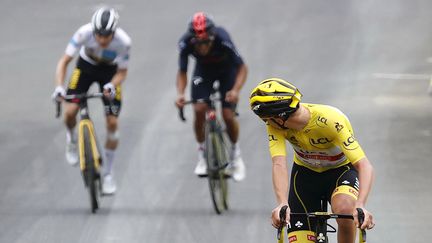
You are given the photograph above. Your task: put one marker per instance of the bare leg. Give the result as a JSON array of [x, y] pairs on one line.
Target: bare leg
[[200, 110], [71, 110], [231, 124], [344, 204], [112, 138]]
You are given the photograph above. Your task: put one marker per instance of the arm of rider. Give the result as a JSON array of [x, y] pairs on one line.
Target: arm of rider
[[232, 96], [109, 88], [60, 74], [181, 86], [366, 178], [280, 187]]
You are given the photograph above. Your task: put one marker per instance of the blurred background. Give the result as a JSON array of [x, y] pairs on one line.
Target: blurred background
[[371, 59]]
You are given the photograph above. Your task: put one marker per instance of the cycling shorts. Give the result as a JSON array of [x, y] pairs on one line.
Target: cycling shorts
[[203, 79], [308, 188], [85, 74]]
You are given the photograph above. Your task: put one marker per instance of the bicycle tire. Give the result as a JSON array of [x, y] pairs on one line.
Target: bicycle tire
[[216, 176], [89, 173], [223, 159]]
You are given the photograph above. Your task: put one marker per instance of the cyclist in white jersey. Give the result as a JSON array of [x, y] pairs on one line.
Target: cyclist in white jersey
[[103, 58]]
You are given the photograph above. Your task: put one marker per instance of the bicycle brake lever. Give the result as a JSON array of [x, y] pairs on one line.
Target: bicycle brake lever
[[282, 217], [181, 114], [361, 217], [58, 109]]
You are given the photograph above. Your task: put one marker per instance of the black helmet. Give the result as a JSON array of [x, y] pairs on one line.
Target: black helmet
[[201, 26], [104, 21]]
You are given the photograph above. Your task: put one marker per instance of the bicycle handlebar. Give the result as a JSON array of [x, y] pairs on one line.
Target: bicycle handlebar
[[78, 97], [83, 96], [58, 109], [361, 217], [282, 218], [321, 215], [181, 110]]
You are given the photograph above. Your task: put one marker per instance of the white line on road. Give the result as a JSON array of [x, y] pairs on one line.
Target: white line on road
[[399, 76]]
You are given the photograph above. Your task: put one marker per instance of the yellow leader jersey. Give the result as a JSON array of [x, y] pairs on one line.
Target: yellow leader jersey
[[326, 142]]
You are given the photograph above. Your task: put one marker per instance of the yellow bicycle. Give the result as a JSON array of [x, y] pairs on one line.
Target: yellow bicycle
[[89, 151]]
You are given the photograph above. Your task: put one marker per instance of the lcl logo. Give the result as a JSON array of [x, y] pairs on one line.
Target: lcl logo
[[320, 141], [349, 141], [322, 119], [271, 138]]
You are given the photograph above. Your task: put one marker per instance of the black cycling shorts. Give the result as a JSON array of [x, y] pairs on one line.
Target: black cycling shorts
[[203, 79], [308, 187], [85, 74]]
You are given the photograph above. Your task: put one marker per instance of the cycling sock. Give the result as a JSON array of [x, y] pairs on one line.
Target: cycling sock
[[201, 147], [70, 135], [235, 151], [109, 158]]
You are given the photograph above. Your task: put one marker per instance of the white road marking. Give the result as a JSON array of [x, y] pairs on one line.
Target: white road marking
[[399, 76]]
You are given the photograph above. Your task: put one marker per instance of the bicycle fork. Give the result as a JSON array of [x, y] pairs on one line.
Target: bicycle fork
[[87, 124]]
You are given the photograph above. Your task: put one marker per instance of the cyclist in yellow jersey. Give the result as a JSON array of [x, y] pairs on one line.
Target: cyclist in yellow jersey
[[329, 163]]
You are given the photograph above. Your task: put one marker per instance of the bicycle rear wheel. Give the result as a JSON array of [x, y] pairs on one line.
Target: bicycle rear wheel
[[91, 177], [216, 163]]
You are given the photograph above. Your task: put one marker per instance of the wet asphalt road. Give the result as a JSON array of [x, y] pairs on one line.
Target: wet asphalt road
[[371, 59]]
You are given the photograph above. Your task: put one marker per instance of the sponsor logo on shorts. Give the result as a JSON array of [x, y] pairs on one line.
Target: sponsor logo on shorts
[[311, 237], [197, 80], [354, 192], [321, 237], [292, 238]]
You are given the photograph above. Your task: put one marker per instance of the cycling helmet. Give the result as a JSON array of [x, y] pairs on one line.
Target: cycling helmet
[[201, 26], [104, 21], [274, 97]]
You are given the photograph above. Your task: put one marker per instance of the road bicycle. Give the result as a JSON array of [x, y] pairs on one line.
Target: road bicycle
[[216, 151], [90, 158], [320, 218]]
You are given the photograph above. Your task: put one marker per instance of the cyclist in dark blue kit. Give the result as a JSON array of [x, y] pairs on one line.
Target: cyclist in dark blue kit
[[216, 59]]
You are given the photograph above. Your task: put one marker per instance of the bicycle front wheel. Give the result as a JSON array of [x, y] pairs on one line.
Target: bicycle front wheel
[[216, 162], [90, 175]]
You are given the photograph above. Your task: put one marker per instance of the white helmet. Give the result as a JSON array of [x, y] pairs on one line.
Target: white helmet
[[104, 21]]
